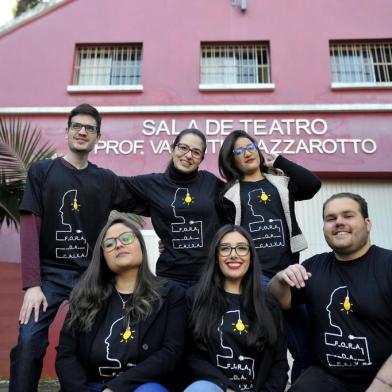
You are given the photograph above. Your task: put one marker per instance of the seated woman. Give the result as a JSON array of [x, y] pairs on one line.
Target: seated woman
[[235, 330], [125, 327]]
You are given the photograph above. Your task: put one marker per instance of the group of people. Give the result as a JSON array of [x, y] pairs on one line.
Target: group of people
[[210, 319]]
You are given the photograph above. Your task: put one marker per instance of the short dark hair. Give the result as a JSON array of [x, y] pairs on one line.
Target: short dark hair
[[362, 203], [85, 108], [227, 167], [193, 131]]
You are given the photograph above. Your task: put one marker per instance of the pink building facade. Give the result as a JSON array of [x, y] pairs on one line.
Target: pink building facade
[[310, 80]]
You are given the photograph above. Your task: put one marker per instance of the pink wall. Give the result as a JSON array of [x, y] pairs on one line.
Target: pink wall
[[37, 58], [331, 144]]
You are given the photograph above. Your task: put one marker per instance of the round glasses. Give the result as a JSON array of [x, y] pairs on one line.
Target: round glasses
[[184, 148], [241, 150], [241, 250], [125, 238]]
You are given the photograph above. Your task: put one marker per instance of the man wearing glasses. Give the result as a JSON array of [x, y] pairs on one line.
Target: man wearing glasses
[[66, 203]]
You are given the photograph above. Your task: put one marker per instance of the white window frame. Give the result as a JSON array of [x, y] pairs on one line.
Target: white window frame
[[358, 61], [223, 66], [98, 66]]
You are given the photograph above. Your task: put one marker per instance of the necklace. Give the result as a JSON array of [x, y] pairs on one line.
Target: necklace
[[121, 298], [128, 332]]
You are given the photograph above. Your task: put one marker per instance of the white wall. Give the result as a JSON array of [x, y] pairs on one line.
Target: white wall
[[378, 194]]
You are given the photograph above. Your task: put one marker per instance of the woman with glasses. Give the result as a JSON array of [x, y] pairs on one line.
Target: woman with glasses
[[125, 327], [236, 341], [182, 204], [260, 196]]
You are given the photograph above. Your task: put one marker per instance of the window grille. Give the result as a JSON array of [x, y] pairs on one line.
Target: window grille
[[361, 62], [108, 65], [235, 64]]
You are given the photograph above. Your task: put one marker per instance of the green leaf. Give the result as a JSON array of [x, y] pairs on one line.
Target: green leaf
[[20, 146]]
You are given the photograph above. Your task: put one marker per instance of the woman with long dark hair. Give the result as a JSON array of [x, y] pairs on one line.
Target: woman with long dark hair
[[235, 329], [124, 328], [183, 208], [260, 195]]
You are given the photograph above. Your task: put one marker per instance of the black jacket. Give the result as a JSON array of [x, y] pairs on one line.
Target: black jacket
[[270, 376], [160, 348]]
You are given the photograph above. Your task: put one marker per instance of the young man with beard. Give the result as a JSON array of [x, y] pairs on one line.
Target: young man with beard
[[66, 203], [348, 293]]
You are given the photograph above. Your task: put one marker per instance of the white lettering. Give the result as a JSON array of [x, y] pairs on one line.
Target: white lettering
[[259, 127], [163, 145], [302, 124], [226, 127], [148, 127], [212, 127], [373, 146], [246, 122], [192, 124], [319, 130], [276, 127]]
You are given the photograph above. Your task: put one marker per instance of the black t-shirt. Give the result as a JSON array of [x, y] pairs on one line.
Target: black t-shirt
[[228, 348], [184, 215], [350, 305], [263, 217], [74, 206], [115, 346]]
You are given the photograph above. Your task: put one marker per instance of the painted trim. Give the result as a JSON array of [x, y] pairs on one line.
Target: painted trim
[[355, 86], [231, 109], [36, 12], [236, 86], [136, 88]]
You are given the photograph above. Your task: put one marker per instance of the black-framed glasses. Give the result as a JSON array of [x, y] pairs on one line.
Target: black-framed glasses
[[77, 127], [225, 250], [184, 148], [241, 150], [110, 244]]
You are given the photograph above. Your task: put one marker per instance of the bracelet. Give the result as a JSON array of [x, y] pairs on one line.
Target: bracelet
[[383, 381]]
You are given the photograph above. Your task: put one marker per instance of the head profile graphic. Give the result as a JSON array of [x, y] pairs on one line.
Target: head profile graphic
[[71, 242], [344, 348], [266, 232], [118, 336], [186, 233]]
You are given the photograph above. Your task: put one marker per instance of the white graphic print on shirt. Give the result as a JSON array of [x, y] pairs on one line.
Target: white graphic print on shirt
[[349, 350], [70, 242], [265, 234], [238, 368], [111, 371], [186, 234]]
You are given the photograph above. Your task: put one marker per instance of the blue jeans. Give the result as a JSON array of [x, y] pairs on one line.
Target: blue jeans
[[298, 337], [148, 387], [203, 386], [27, 356]]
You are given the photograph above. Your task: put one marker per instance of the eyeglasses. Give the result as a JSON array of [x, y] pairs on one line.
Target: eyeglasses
[[241, 150], [125, 238], [184, 148], [225, 250], [77, 127]]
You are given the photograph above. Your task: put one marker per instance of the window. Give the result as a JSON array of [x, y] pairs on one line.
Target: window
[[240, 64], [361, 64], [114, 66]]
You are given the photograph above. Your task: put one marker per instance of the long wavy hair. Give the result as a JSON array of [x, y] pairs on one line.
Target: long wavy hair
[[97, 284], [210, 301], [227, 165]]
